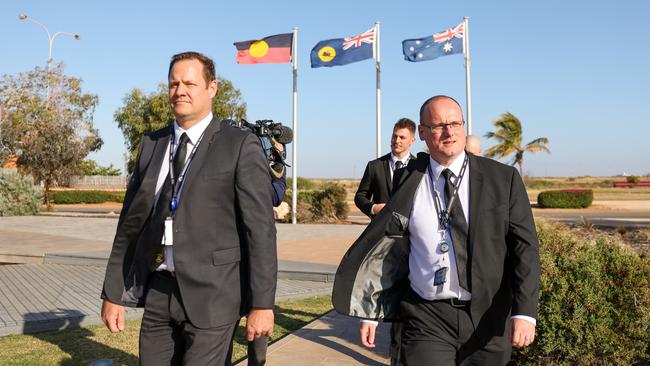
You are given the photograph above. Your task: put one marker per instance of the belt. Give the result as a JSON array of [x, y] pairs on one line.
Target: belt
[[455, 302]]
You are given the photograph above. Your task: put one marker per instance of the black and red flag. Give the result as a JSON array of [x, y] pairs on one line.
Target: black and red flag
[[273, 49]]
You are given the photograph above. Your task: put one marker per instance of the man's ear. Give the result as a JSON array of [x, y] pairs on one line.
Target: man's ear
[[213, 86]]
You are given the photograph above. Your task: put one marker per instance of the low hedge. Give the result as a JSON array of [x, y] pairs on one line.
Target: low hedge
[[79, 196], [594, 306], [566, 198]]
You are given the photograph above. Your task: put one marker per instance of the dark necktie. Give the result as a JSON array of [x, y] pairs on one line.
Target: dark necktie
[[164, 200], [399, 165], [458, 232], [397, 174]]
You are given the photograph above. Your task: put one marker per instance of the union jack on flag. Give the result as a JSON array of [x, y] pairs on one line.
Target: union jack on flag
[[366, 37], [449, 34]]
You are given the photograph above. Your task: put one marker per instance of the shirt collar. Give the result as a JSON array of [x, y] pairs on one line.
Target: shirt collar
[[194, 132], [455, 166], [405, 160]]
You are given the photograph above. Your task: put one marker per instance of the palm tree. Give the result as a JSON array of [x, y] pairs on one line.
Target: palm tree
[[508, 134]]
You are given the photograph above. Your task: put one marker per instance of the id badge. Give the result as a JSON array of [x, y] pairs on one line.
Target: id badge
[[169, 232], [440, 276]]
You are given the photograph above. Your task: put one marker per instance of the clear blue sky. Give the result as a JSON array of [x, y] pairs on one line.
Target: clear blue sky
[[577, 72]]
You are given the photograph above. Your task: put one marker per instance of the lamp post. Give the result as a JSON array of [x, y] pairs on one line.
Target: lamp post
[[50, 38]]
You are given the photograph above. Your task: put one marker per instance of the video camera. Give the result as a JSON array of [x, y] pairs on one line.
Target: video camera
[[269, 133]]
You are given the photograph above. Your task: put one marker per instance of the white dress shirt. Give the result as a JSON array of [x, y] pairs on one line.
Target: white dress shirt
[[394, 159], [193, 133]]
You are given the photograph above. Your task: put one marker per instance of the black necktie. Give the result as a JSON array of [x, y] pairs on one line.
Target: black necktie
[[397, 174], [164, 200], [399, 165], [458, 232]]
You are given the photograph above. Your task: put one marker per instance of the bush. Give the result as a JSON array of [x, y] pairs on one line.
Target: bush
[[18, 194], [566, 198], [77, 196], [330, 204], [594, 302], [632, 179], [325, 205]]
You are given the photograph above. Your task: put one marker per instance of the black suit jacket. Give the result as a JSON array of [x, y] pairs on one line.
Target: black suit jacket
[[376, 185], [503, 249], [224, 232]]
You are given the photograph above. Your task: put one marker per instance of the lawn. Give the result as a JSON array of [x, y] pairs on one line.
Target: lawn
[[82, 346]]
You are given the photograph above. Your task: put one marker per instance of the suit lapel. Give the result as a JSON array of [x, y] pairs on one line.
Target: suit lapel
[[159, 153], [389, 181], [475, 195], [201, 153]]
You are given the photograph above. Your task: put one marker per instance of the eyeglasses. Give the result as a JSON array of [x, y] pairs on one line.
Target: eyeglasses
[[439, 127]]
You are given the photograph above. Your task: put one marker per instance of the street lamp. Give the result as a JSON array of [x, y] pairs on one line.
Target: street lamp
[[50, 38]]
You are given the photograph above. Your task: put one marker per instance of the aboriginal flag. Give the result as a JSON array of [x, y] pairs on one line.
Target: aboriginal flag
[[273, 49]]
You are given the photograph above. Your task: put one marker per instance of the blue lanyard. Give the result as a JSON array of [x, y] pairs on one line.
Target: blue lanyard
[[443, 215], [177, 186]]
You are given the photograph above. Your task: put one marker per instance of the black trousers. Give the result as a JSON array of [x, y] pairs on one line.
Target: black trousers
[[438, 334], [168, 338], [257, 351]]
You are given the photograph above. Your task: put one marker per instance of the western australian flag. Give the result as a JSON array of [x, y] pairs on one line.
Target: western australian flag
[[444, 43], [342, 51]]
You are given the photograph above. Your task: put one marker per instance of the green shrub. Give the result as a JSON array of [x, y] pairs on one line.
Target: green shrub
[[330, 203], [632, 179], [18, 194], [594, 302], [325, 205], [79, 196], [566, 198]]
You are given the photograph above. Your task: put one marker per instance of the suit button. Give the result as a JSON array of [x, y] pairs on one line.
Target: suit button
[[159, 258]]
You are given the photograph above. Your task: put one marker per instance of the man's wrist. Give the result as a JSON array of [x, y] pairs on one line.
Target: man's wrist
[[526, 318]]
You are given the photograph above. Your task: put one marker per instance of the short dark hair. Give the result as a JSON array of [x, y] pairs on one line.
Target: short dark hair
[[434, 98], [209, 73], [405, 123]]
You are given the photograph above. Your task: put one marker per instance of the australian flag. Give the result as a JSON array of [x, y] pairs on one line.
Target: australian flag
[[342, 51], [444, 43]]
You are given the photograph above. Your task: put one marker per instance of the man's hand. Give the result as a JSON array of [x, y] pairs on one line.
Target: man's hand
[[259, 322], [377, 207], [367, 334], [113, 316], [522, 332]]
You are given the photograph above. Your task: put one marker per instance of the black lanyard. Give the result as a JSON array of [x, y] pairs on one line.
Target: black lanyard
[[443, 215], [177, 186]]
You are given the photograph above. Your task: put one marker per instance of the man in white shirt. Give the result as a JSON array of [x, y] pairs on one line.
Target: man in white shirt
[[454, 254]]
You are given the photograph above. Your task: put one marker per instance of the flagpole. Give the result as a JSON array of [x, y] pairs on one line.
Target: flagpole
[[294, 124], [377, 53], [467, 78]]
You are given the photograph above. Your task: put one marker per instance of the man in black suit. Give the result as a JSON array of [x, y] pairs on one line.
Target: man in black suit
[[195, 243], [376, 185], [454, 254]]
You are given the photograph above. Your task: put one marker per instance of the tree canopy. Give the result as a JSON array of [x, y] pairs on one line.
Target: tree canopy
[[142, 113], [508, 133], [46, 122]]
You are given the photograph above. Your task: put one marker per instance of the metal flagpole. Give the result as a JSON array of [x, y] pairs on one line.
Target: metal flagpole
[[467, 79], [294, 150], [376, 50]]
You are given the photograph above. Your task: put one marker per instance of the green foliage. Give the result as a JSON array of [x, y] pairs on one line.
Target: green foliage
[[142, 113], [79, 196], [633, 179], [566, 198], [304, 184], [508, 134], [90, 167], [594, 302], [18, 194], [47, 123], [327, 204]]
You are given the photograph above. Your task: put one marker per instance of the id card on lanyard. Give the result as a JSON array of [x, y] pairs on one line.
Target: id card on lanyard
[[177, 186]]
